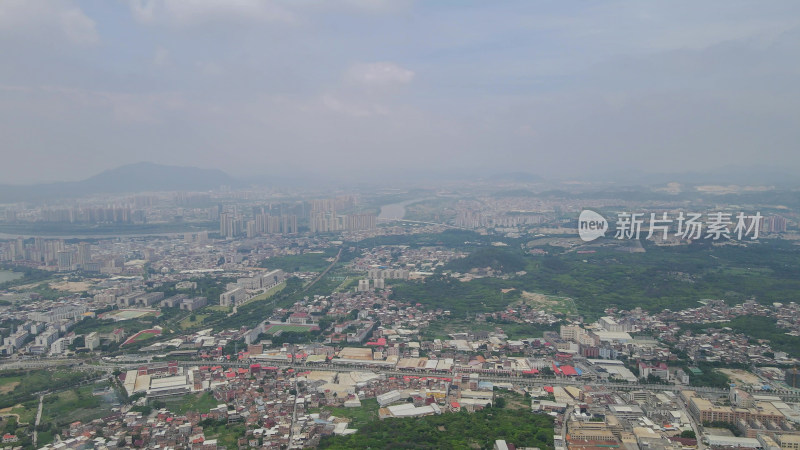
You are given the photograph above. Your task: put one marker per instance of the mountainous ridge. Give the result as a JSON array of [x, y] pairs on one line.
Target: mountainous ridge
[[130, 178]]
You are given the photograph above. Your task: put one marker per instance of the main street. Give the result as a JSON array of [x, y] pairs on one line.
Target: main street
[[785, 395]]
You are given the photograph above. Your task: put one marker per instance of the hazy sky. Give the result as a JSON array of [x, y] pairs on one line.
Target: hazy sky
[[363, 86]]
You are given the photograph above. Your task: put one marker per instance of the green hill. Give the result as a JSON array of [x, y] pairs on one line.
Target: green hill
[[499, 260]]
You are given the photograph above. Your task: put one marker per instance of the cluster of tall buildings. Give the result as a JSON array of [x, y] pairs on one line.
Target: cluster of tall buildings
[[234, 224], [774, 224], [51, 252], [388, 274], [470, 219], [323, 222], [467, 218], [230, 224], [341, 203], [324, 219], [264, 223], [112, 214]]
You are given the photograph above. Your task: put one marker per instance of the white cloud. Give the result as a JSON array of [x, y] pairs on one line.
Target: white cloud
[[367, 6], [124, 107], [380, 74], [196, 12], [354, 109], [53, 20]]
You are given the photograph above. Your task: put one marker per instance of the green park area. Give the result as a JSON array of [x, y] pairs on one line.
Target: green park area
[[451, 431], [288, 328], [660, 278], [306, 262], [442, 329], [359, 417], [201, 403], [69, 396]]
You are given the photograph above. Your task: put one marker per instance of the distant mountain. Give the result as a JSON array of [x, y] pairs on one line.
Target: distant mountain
[[131, 178], [724, 175]]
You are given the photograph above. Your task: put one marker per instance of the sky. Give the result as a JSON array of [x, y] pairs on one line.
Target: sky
[[349, 88]]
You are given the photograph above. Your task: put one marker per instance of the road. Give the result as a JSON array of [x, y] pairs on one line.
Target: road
[[38, 420], [538, 381], [335, 260], [791, 396], [523, 381], [294, 412], [692, 422]]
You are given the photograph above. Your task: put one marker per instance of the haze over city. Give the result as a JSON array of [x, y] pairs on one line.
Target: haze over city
[[376, 224], [355, 88]]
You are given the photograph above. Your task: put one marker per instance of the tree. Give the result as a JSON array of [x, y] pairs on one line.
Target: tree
[[11, 425], [500, 402], [688, 434]]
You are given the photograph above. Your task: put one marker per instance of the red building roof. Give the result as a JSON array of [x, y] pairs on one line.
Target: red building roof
[[569, 371]]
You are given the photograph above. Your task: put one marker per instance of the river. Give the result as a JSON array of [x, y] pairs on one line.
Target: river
[[397, 211], [7, 275]]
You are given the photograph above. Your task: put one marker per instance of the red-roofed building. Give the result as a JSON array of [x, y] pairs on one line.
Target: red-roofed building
[[569, 371], [380, 342], [685, 442], [301, 318], [563, 357]]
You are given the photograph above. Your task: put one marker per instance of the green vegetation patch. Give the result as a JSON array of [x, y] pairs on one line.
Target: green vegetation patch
[[661, 278], [451, 431], [441, 329], [227, 434], [62, 406], [756, 327], [201, 403], [307, 262], [33, 381], [460, 298], [288, 328], [192, 321], [359, 417], [498, 260], [269, 293]]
